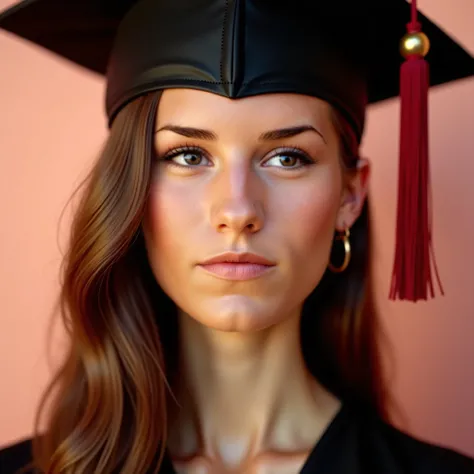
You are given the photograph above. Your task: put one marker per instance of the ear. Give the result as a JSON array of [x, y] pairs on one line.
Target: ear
[[354, 193]]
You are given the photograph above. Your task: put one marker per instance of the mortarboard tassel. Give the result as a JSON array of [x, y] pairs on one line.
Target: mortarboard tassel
[[412, 277]]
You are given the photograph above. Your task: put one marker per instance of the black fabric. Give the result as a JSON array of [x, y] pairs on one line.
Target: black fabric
[[356, 442], [16, 456], [345, 52]]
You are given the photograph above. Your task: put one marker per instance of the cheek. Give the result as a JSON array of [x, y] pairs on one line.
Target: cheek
[[312, 210], [307, 224], [170, 217], [314, 224]]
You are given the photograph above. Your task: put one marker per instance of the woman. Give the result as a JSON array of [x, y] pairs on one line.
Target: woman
[[213, 329]]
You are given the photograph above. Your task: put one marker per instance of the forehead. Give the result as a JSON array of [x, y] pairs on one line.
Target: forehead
[[193, 107]]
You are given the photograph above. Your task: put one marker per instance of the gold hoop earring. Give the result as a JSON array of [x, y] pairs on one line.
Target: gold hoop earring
[[347, 252]]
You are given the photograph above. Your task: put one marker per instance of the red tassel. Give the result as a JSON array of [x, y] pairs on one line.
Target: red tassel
[[412, 277]]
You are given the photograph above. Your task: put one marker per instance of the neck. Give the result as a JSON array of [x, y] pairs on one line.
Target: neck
[[246, 392]]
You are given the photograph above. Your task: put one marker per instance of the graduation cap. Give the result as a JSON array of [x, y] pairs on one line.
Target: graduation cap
[[345, 52]]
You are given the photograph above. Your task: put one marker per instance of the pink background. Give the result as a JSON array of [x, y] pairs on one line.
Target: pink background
[[51, 128]]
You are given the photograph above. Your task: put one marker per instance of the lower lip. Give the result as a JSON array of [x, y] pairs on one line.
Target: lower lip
[[237, 271]]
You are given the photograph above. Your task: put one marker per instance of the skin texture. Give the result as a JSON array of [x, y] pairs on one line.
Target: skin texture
[[248, 403]]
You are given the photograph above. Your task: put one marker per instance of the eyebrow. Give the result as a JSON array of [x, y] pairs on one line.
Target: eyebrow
[[271, 135]]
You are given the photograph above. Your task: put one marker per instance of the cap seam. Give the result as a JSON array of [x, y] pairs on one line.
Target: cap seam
[[222, 47]]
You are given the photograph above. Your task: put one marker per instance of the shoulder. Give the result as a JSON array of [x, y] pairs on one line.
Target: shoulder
[[15, 457], [412, 455]]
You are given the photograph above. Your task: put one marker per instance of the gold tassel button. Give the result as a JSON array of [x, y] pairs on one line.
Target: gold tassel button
[[414, 44]]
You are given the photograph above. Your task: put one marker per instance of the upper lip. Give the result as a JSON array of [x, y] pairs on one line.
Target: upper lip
[[243, 257]]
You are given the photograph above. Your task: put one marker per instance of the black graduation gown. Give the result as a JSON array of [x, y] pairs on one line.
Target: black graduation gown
[[355, 442]]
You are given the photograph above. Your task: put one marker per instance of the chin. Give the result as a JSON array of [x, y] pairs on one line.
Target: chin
[[237, 313]]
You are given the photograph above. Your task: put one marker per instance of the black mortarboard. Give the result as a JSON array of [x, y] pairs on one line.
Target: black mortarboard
[[344, 51]]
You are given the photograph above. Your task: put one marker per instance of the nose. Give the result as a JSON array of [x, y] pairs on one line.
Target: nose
[[237, 205]]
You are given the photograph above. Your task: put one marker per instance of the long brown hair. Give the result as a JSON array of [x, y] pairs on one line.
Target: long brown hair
[[108, 406]]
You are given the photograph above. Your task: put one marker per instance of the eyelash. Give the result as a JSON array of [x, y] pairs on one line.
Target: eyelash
[[293, 151]]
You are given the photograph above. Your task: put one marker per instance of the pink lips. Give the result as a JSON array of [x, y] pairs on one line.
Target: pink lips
[[237, 266]]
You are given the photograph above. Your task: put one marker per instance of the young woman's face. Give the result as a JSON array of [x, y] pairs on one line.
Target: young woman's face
[[260, 175]]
